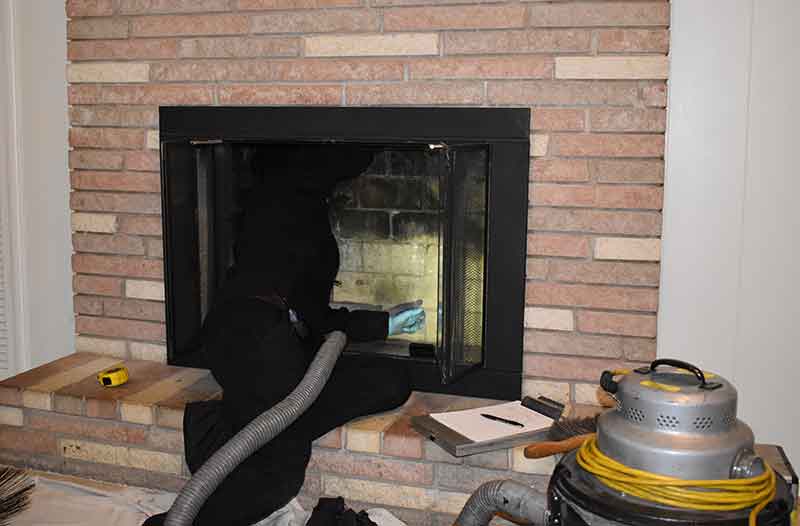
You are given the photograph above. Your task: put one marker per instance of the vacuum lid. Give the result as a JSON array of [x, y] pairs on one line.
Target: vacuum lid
[[679, 395]]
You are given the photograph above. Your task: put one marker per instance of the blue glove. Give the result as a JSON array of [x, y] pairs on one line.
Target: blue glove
[[406, 318]]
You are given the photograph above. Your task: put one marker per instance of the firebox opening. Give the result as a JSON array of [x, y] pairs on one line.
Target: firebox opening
[[390, 218]]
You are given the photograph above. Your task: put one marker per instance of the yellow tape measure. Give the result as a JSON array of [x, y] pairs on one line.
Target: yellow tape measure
[[113, 377]]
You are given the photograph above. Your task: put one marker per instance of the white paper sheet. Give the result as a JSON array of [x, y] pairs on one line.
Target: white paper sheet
[[472, 425]]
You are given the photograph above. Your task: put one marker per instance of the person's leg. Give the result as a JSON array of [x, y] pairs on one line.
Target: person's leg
[[358, 386]]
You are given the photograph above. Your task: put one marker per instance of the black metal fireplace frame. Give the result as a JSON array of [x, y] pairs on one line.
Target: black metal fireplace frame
[[505, 131]]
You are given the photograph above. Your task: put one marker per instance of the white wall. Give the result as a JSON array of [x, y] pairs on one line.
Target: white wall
[[730, 271], [37, 183]]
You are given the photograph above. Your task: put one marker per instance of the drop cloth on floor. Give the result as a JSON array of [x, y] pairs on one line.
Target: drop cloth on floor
[[70, 501]]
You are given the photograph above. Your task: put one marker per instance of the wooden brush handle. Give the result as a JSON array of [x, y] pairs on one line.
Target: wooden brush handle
[[545, 449]]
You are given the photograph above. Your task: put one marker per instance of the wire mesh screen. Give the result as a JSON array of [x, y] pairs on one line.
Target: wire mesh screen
[[469, 253]]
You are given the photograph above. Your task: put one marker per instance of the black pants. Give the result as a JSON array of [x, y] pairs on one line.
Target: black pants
[[257, 359]]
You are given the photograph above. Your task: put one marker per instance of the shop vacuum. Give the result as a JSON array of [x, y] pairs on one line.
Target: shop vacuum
[[672, 453]]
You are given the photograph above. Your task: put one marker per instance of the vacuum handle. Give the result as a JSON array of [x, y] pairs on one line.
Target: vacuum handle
[[680, 364], [546, 449]]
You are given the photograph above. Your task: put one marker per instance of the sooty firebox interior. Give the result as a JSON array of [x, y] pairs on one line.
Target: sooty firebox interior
[[425, 203]]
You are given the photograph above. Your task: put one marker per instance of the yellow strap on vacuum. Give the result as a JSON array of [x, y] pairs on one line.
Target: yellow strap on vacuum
[[706, 495]]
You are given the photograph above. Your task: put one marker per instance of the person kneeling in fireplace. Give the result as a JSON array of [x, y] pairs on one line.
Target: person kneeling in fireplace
[[265, 328]]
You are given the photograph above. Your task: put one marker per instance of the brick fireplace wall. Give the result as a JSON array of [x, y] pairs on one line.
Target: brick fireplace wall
[[594, 74]]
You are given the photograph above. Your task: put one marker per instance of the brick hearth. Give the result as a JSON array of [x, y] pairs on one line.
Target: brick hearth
[[58, 418]]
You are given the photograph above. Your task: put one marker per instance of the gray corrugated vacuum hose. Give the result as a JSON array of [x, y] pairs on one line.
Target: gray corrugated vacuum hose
[[507, 496], [261, 430]]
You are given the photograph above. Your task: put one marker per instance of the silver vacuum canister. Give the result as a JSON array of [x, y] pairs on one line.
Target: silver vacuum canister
[[673, 419]]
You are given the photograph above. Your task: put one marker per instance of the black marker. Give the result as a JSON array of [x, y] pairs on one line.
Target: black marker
[[505, 421]]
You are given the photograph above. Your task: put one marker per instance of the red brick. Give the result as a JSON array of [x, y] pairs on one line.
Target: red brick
[[145, 161], [619, 196], [160, 94], [551, 119], [607, 145], [572, 344], [517, 67], [516, 41], [98, 285], [562, 195], [133, 117], [243, 47], [655, 95], [563, 92], [638, 349], [569, 368], [95, 160], [595, 221], [558, 245], [101, 409], [87, 305], [627, 120], [536, 268], [605, 272], [591, 296], [68, 404], [116, 181], [141, 225], [155, 248], [645, 171], [127, 203], [133, 309], [294, 4], [633, 41], [600, 14], [92, 28], [87, 428], [122, 49], [280, 94], [560, 170], [117, 328], [10, 396], [89, 8], [121, 138], [279, 70], [189, 25], [146, 7], [332, 439], [456, 17], [457, 92], [377, 468], [400, 440], [615, 323], [338, 21], [28, 441], [128, 266], [109, 244], [165, 440]]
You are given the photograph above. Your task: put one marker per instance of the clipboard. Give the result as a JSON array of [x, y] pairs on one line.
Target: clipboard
[[463, 433]]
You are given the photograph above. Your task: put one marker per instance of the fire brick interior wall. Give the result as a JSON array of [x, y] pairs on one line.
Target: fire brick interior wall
[[593, 72], [386, 222]]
